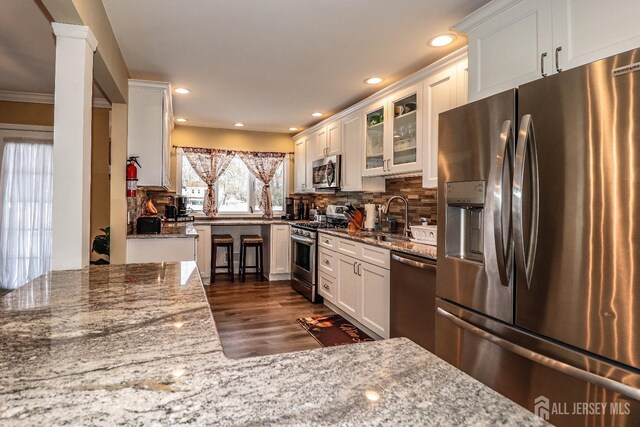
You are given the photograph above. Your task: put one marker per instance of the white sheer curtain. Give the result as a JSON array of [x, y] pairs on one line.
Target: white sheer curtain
[[26, 185]]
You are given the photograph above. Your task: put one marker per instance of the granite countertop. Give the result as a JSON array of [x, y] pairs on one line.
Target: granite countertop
[[408, 247], [169, 230], [137, 345]]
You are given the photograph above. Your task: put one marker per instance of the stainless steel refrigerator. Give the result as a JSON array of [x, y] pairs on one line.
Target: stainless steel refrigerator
[[538, 280]]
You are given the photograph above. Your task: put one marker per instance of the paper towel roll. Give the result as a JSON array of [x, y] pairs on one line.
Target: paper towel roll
[[370, 213]]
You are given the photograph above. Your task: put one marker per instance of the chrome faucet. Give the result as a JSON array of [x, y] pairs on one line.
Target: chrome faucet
[[385, 210]]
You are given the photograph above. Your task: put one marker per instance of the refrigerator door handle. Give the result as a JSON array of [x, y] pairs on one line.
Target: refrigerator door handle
[[526, 146], [541, 359], [503, 258]]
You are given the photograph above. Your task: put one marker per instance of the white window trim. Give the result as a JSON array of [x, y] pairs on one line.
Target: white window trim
[[256, 213]]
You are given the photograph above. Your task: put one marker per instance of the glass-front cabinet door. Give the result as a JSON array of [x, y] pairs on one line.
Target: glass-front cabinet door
[[405, 148], [374, 152]]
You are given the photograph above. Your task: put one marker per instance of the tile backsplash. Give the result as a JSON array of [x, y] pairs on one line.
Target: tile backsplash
[[422, 201]]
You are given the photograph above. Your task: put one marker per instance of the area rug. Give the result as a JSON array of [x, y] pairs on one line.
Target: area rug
[[333, 330]]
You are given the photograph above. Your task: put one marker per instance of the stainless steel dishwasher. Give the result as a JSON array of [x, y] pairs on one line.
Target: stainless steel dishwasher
[[413, 299]]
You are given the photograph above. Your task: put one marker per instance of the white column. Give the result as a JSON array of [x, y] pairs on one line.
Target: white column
[[75, 45]]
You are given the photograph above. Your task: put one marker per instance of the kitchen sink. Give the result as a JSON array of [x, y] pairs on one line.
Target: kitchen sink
[[385, 237], [391, 239]]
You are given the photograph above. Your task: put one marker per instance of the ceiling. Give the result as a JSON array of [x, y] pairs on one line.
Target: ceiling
[[270, 64], [28, 49]]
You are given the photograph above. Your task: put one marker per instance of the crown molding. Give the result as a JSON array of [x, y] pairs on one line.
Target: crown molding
[[412, 79], [43, 98], [75, 32], [489, 10]]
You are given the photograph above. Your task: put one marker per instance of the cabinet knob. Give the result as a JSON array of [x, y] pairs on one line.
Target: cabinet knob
[[326, 261], [325, 286], [326, 241]]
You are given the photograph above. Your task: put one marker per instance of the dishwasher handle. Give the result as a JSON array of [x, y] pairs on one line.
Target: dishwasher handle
[[413, 263]]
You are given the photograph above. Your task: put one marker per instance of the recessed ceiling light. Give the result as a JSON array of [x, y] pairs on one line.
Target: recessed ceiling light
[[316, 114], [293, 129], [181, 119], [374, 80], [441, 40], [182, 90], [238, 125]]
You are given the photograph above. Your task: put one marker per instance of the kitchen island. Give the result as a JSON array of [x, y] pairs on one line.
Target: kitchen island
[[137, 345], [175, 242]]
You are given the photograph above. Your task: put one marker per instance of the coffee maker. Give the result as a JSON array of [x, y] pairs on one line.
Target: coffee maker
[[289, 208], [181, 203]]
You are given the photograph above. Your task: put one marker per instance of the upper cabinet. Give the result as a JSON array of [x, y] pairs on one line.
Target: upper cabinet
[[328, 140], [393, 134], [515, 42], [352, 147], [509, 47], [149, 134], [587, 30], [404, 140], [442, 91], [374, 141], [300, 166]]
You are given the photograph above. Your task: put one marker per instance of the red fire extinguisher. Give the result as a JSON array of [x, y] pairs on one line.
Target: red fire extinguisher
[[132, 176]]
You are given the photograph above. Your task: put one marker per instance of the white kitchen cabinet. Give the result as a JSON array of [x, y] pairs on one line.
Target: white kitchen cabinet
[[355, 278], [203, 245], [320, 146], [327, 287], [587, 30], [375, 283], [403, 142], [161, 249], [328, 140], [352, 147], [393, 134], [515, 42], [327, 262], [440, 94], [334, 138], [149, 131], [508, 45], [300, 165], [277, 248], [349, 295], [373, 119]]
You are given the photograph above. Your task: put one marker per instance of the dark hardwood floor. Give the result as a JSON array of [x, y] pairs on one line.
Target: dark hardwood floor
[[259, 318]]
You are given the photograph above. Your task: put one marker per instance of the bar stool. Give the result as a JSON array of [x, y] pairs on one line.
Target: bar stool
[[250, 241], [222, 241]]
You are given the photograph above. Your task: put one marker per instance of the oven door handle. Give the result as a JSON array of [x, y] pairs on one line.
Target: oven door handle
[[304, 240]]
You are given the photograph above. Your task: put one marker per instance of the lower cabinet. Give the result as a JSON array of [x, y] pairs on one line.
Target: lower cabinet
[[204, 250], [349, 286], [277, 251], [375, 298], [357, 287], [162, 249]]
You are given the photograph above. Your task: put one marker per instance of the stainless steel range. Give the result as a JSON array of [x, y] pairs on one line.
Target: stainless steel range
[[304, 251]]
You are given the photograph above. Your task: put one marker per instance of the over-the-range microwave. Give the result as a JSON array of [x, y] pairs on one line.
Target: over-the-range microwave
[[326, 173]]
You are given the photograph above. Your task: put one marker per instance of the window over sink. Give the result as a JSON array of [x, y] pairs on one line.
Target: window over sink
[[237, 190]]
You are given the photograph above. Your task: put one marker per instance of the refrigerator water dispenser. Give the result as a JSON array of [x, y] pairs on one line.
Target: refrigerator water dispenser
[[465, 211]]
